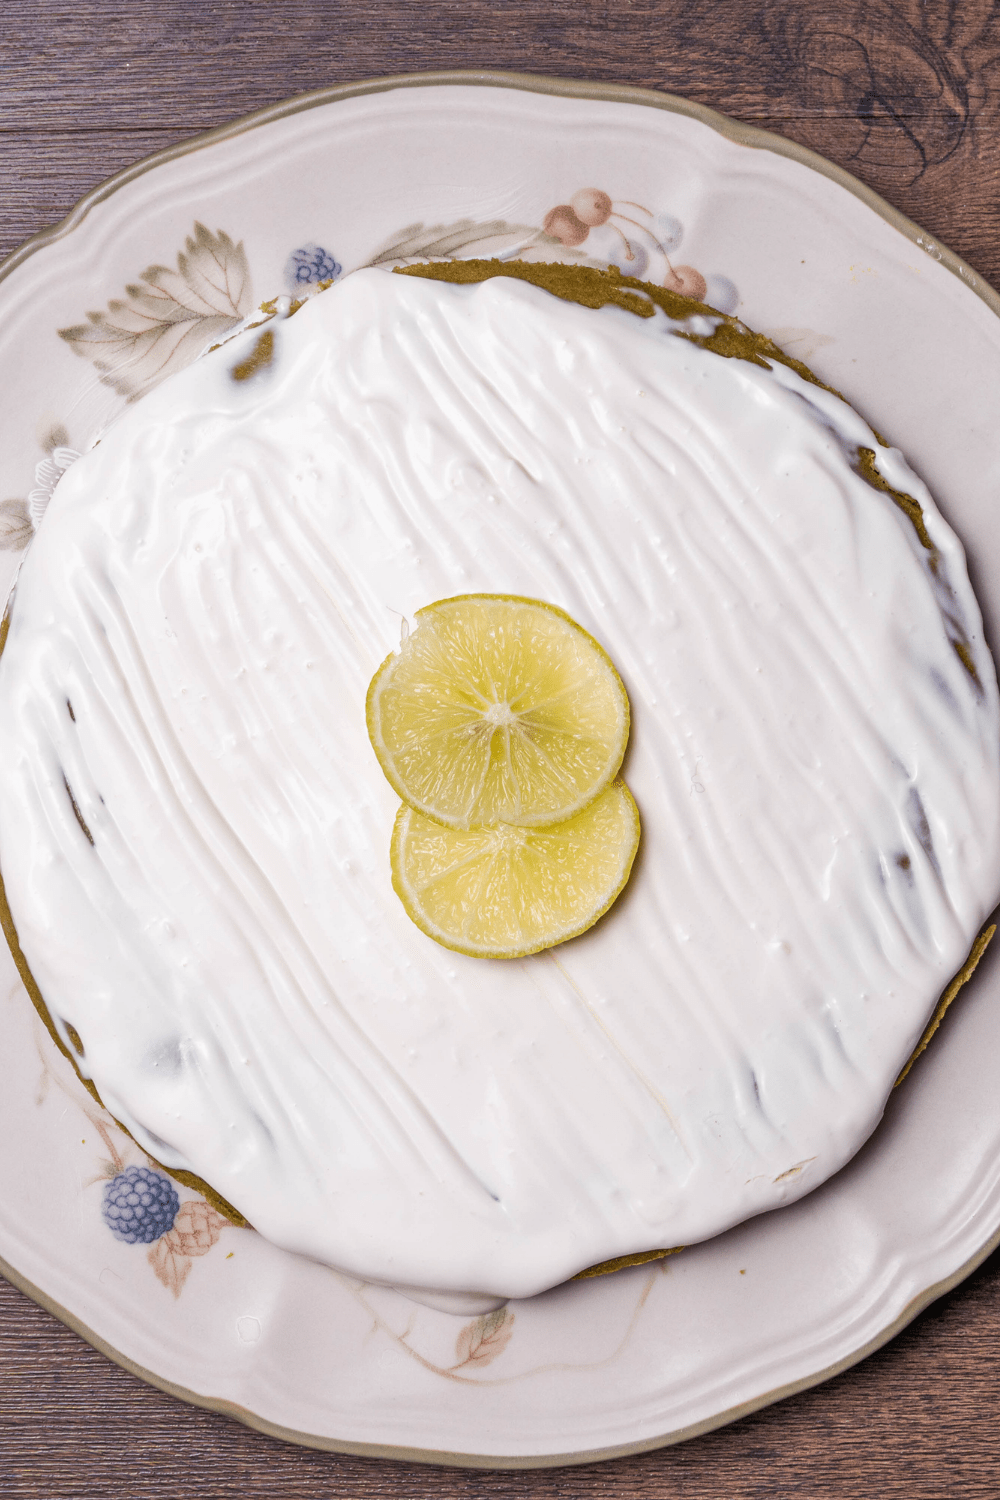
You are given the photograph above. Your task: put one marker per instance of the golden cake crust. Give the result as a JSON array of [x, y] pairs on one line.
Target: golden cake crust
[[728, 338]]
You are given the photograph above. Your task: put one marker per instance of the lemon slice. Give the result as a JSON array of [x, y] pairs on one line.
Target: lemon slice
[[504, 892], [498, 710]]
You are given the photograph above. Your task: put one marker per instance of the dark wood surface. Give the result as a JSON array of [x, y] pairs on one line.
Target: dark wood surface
[[907, 96]]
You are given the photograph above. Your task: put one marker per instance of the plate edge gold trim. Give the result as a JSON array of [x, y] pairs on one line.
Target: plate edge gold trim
[[741, 134], [449, 1459], [753, 136]]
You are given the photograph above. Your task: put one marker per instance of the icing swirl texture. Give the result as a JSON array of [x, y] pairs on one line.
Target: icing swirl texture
[[194, 829]]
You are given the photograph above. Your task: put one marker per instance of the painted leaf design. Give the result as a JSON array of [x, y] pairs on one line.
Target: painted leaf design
[[167, 316], [16, 529], [481, 1341], [196, 1228], [170, 1265], [450, 241]]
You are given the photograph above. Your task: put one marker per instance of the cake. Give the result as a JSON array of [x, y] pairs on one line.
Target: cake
[[194, 830]]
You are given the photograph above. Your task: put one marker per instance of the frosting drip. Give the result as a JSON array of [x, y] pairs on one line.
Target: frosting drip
[[194, 828]]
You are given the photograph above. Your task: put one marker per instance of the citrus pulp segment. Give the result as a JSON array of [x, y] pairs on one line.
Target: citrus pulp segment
[[498, 710], [504, 891]]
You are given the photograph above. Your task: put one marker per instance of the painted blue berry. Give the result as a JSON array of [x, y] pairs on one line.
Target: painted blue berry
[[309, 265], [140, 1205]]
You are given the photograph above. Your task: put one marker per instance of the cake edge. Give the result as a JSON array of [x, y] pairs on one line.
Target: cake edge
[[589, 287]]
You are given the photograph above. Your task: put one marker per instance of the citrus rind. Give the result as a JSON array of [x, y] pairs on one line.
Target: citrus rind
[[506, 892], [498, 709]]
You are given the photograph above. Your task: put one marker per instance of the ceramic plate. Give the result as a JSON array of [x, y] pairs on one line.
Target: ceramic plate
[[150, 269]]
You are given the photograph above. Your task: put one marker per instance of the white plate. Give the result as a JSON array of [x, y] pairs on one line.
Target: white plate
[[651, 1355]]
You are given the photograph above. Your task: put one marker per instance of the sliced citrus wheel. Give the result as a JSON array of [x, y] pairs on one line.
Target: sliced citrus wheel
[[503, 891], [498, 710]]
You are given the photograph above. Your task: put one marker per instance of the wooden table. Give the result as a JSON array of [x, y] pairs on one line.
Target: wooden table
[[906, 95]]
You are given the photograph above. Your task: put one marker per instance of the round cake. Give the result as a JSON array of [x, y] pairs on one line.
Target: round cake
[[194, 829]]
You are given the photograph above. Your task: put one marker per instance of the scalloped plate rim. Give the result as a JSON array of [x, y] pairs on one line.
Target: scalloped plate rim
[[753, 136], [741, 134], [453, 1460]]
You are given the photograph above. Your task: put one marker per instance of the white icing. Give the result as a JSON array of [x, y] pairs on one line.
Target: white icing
[[817, 773], [48, 472]]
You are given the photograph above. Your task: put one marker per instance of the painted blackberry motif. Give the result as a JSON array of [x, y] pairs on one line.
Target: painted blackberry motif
[[140, 1205], [309, 265]]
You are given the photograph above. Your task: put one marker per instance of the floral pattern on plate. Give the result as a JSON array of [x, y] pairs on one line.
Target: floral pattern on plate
[[168, 316], [624, 1362], [140, 1204]]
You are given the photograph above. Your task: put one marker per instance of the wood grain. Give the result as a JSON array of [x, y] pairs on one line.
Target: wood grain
[[907, 96]]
